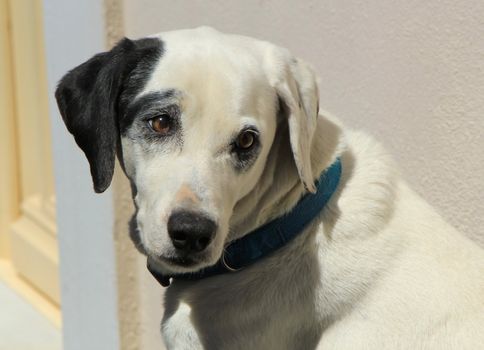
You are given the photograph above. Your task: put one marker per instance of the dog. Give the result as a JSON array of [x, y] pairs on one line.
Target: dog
[[275, 226]]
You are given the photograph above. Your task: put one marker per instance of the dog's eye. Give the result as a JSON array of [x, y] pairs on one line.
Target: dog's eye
[[161, 124], [246, 140]]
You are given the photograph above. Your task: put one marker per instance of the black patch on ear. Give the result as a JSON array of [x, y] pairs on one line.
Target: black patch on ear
[[89, 99]]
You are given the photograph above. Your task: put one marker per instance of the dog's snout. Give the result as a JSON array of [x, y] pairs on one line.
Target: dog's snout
[[190, 231]]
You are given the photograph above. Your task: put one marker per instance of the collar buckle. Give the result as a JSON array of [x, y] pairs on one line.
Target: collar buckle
[[226, 265]]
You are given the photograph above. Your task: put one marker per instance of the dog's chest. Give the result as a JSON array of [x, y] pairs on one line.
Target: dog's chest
[[190, 329], [254, 322], [264, 308]]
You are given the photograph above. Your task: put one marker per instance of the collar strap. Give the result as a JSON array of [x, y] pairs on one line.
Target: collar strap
[[270, 237]]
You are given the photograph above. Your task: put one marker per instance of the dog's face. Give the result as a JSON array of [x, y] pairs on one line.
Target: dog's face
[[195, 141], [192, 115]]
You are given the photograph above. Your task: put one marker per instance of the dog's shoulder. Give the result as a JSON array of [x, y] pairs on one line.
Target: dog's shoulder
[[367, 190], [397, 256]]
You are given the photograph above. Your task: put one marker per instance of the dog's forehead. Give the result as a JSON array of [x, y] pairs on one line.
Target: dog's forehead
[[219, 73], [209, 40], [203, 59]]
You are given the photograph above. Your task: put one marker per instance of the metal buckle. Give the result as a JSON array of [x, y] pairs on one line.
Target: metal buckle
[[231, 269]]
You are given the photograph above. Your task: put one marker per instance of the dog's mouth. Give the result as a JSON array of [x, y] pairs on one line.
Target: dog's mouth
[[181, 261], [178, 263]]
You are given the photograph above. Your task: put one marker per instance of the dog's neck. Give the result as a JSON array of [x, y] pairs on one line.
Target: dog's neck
[[275, 195]]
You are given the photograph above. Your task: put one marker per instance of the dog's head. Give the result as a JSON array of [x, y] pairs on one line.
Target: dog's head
[[192, 115]]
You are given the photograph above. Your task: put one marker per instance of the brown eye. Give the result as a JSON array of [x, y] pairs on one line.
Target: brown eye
[[246, 140], [160, 124]]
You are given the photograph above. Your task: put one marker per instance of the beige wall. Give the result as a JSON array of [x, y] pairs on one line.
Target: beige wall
[[409, 72]]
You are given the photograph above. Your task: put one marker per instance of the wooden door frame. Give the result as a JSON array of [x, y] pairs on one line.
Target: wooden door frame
[[28, 242]]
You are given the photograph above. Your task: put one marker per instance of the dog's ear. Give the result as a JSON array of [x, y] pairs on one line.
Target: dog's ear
[[88, 97], [297, 90]]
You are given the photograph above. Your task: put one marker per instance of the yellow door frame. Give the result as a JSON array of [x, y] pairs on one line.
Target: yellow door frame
[[28, 240], [9, 190]]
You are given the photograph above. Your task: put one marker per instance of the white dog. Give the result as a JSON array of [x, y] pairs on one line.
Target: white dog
[[277, 227]]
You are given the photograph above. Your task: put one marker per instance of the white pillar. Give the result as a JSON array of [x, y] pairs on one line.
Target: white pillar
[[74, 31]]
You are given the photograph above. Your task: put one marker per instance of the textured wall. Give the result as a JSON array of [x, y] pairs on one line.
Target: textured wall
[[409, 72], [139, 295]]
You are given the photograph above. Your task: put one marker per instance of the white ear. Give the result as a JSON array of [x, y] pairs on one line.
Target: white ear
[[296, 86]]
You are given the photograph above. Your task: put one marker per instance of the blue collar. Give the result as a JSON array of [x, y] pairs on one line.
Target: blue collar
[[270, 237]]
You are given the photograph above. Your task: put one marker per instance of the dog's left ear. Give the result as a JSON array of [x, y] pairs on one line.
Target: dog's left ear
[[297, 90], [88, 98]]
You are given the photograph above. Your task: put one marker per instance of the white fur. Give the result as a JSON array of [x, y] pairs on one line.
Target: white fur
[[378, 269]]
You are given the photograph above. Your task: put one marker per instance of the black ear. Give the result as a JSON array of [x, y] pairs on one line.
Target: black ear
[[88, 100]]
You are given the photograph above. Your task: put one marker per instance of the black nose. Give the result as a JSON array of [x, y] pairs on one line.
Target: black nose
[[190, 232]]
